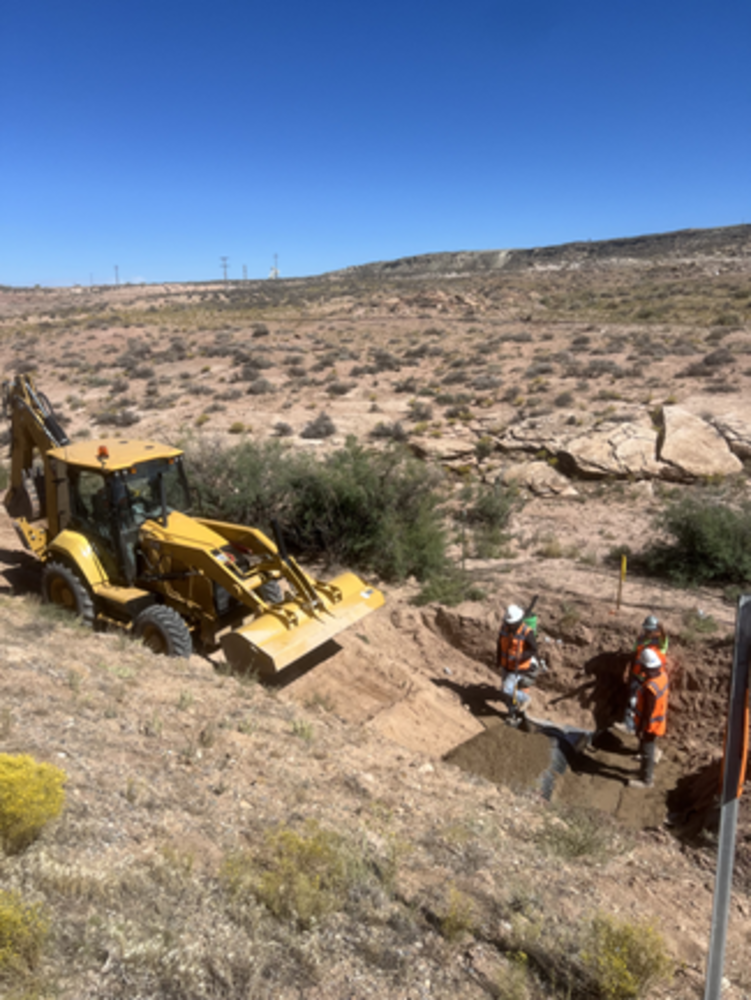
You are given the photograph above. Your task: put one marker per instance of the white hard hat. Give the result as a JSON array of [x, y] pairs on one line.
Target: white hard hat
[[513, 614], [650, 659], [650, 623]]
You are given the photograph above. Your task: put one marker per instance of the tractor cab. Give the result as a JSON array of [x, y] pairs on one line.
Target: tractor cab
[[106, 496]]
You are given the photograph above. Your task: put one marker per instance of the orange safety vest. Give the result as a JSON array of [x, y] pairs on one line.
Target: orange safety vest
[[637, 670], [512, 655], [658, 685]]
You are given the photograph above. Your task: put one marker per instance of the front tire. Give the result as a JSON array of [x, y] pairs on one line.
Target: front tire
[[163, 631], [63, 587]]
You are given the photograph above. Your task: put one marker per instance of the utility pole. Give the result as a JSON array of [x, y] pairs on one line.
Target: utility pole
[[245, 272], [225, 265], [117, 275]]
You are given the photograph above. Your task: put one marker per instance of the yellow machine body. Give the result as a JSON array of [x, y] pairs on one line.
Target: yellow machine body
[[105, 516]]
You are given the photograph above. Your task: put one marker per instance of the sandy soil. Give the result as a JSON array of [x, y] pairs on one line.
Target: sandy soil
[[418, 682]]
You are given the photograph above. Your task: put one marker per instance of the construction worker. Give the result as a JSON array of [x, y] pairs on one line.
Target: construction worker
[[516, 661], [650, 715], [652, 636]]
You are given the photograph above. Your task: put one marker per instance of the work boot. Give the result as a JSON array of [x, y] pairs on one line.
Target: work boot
[[514, 718], [638, 783]]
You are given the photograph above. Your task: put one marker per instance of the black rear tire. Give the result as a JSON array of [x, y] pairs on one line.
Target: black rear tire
[[63, 587], [163, 631]]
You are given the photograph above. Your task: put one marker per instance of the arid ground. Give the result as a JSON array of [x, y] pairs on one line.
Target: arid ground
[[488, 851]]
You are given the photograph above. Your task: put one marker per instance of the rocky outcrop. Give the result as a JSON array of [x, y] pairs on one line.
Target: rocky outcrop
[[540, 478], [691, 448], [615, 449], [626, 445], [737, 433]]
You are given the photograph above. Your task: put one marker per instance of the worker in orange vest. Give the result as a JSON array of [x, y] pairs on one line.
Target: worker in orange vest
[[516, 661], [651, 636], [650, 715]]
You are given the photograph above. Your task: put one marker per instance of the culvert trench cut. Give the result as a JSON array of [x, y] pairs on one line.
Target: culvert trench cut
[[589, 765]]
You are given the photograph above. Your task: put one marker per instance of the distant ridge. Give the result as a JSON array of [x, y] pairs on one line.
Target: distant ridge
[[700, 244]]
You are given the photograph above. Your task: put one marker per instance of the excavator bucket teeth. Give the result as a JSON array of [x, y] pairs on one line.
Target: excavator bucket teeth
[[270, 643]]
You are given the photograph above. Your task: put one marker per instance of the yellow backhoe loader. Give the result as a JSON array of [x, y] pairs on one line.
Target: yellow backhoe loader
[[107, 519]]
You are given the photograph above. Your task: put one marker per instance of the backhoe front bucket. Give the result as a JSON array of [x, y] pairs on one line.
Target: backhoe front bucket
[[270, 643]]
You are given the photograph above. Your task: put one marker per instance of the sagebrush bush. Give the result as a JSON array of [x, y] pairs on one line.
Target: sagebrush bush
[[23, 930], [357, 507], [298, 876], [31, 794], [711, 543], [624, 959]]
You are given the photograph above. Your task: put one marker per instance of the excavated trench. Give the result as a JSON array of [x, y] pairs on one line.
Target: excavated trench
[[581, 760]]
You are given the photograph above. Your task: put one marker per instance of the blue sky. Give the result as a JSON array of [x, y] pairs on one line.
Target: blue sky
[[160, 136]]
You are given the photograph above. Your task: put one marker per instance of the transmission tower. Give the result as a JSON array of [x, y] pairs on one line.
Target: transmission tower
[[225, 265]]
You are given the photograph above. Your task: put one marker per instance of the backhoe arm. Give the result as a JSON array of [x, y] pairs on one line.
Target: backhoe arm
[[33, 428]]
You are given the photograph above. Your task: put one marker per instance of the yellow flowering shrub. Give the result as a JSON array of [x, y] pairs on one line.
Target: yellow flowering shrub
[[31, 794]]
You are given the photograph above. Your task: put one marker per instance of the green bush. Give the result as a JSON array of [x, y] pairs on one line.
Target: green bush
[[31, 794], [625, 959], [23, 930], [711, 543], [378, 511]]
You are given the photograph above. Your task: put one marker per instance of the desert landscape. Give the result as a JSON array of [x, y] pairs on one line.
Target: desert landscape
[[596, 383]]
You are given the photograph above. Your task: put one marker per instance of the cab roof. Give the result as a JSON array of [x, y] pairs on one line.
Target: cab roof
[[112, 454]]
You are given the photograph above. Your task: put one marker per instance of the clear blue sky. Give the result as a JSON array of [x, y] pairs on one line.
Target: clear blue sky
[[159, 136]]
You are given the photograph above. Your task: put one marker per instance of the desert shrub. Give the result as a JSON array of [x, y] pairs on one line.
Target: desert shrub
[[539, 368], [564, 399], [377, 510], [490, 506], [385, 430], [384, 361], [116, 418], [576, 833], [625, 959], [419, 411], [23, 930], [338, 388], [484, 448], [406, 385], [261, 387], [31, 794], [322, 427], [297, 876], [710, 542], [457, 917], [485, 383]]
